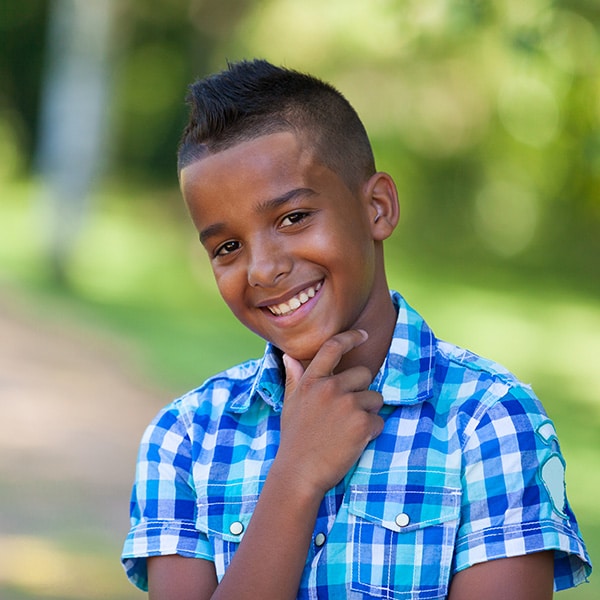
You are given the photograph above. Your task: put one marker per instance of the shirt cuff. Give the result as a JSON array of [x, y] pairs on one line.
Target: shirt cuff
[[571, 563], [161, 538]]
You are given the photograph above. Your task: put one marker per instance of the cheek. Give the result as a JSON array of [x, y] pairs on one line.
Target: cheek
[[228, 284], [330, 242], [347, 255]]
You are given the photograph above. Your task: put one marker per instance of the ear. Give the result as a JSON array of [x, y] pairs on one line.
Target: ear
[[381, 197]]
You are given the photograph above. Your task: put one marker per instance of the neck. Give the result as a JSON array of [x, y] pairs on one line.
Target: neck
[[379, 322]]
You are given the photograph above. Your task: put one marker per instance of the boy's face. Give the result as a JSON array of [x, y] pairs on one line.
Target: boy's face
[[290, 245]]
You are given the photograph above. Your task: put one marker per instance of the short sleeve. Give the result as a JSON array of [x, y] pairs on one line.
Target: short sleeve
[[514, 495], [163, 502]]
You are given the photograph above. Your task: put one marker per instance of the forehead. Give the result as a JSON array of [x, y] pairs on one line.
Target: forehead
[[253, 171], [265, 158]]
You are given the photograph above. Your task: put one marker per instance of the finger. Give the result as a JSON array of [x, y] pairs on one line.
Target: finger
[[354, 379], [293, 373], [331, 352], [377, 424], [369, 427], [370, 401]]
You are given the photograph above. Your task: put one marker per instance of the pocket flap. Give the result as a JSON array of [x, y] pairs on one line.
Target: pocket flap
[[226, 510], [404, 507]]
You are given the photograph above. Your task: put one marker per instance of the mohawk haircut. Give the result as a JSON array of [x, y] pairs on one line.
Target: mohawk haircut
[[250, 99]]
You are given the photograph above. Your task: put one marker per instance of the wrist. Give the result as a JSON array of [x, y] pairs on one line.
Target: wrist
[[294, 486]]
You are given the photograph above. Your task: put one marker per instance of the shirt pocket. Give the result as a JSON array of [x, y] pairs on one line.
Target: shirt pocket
[[402, 539], [223, 516]]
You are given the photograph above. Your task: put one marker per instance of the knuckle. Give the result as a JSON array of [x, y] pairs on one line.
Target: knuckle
[[364, 374], [333, 344], [378, 424], [377, 399], [365, 427], [372, 425], [330, 387], [371, 401]]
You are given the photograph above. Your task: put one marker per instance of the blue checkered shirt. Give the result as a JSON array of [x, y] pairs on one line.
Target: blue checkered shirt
[[467, 469]]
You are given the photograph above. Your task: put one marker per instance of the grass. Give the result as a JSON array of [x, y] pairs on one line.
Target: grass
[[139, 276]]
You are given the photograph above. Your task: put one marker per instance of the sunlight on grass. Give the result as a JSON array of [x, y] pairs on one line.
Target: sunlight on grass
[[118, 260], [42, 568], [19, 244]]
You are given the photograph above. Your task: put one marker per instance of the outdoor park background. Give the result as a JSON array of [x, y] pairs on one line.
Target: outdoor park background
[[486, 113]]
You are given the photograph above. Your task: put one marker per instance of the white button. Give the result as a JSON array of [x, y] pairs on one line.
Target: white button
[[236, 528], [320, 539], [402, 520]]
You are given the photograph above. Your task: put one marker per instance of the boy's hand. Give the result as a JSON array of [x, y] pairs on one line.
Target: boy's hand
[[327, 420]]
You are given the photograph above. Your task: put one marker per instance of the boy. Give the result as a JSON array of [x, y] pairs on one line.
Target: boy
[[360, 457]]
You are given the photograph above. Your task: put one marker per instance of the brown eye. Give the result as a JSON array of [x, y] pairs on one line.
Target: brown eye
[[294, 218], [227, 248]]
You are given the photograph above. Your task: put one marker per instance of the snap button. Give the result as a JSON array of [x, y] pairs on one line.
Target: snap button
[[320, 539], [402, 520], [236, 528]]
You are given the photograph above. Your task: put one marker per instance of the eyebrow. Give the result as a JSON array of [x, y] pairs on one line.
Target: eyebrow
[[264, 206], [274, 203]]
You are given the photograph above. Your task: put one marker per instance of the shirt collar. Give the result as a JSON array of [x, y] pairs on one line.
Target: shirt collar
[[405, 377], [268, 385]]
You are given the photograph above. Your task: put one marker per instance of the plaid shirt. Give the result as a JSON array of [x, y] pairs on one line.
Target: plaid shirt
[[466, 470]]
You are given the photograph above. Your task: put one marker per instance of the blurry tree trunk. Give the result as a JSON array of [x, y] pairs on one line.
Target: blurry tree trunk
[[73, 118]]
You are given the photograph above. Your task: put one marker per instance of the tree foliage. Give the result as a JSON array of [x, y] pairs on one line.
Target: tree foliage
[[486, 112]]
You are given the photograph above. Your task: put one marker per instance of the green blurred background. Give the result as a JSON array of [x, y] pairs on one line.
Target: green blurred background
[[487, 114]]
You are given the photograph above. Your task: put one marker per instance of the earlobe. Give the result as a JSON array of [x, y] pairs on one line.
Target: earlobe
[[384, 210]]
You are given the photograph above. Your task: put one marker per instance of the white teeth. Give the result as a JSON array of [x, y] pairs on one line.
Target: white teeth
[[296, 302]]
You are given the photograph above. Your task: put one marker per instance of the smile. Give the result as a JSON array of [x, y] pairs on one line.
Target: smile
[[285, 308]]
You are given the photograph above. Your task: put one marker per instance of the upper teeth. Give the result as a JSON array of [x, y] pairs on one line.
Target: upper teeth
[[296, 302]]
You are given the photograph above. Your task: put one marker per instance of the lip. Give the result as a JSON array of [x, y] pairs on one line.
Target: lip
[[285, 298], [289, 294]]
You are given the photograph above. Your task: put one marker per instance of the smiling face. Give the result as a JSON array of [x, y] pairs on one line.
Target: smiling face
[[296, 254]]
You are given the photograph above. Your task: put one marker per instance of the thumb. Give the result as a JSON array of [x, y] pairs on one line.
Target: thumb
[[293, 373]]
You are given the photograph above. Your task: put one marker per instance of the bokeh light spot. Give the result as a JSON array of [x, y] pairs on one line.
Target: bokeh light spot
[[529, 111], [506, 217]]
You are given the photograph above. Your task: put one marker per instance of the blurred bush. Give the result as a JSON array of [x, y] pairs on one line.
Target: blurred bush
[[486, 112]]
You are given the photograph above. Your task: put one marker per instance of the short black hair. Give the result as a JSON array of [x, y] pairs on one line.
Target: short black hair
[[253, 98]]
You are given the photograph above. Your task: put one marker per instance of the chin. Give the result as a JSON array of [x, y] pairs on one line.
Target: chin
[[303, 352], [300, 355]]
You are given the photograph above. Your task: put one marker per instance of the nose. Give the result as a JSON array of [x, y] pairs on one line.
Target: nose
[[267, 265]]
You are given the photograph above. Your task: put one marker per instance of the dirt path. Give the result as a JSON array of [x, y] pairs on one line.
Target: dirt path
[[70, 417]]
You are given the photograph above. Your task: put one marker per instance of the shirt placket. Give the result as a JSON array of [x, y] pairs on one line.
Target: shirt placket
[[326, 518]]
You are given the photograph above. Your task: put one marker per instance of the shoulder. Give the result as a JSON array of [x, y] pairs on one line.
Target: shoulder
[[456, 360], [477, 390], [208, 401], [474, 375]]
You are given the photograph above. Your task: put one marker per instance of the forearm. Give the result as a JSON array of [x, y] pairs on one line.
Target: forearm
[[270, 559], [527, 577]]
